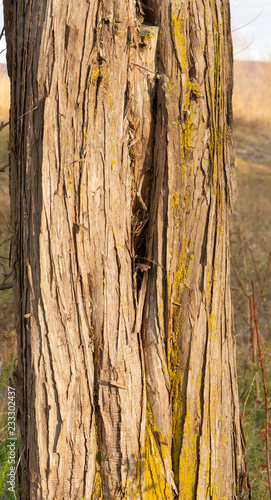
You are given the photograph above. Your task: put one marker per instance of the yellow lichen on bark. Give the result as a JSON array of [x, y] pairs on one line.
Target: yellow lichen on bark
[[188, 462], [180, 40], [155, 484]]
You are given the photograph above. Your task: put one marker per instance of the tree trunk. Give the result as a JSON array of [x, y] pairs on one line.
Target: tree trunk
[[122, 182]]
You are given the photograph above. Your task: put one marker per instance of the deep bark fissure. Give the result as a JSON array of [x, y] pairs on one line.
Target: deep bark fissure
[[47, 411], [204, 365], [214, 250], [56, 398]]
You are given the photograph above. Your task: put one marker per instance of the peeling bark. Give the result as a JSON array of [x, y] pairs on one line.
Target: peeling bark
[[122, 183]]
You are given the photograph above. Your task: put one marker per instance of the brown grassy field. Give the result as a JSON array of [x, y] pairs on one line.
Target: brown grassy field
[[251, 220], [250, 249], [4, 96], [7, 333], [7, 337]]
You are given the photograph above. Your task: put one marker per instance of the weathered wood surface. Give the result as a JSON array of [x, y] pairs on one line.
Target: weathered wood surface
[[122, 183]]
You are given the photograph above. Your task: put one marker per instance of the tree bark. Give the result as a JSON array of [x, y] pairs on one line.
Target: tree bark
[[122, 183]]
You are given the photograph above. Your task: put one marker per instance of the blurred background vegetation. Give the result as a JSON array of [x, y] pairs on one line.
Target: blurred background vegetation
[[251, 254], [250, 250], [7, 332]]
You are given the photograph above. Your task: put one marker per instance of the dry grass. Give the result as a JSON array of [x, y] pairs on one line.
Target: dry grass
[[252, 92], [4, 97], [7, 334], [250, 247], [251, 221]]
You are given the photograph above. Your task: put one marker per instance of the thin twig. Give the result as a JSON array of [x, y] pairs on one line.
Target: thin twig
[[265, 392], [5, 220], [253, 260], [3, 169], [18, 466], [240, 307], [27, 112], [3, 125], [239, 279], [244, 25], [5, 241], [245, 48], [265, 281], [245, 243], [6, 285]]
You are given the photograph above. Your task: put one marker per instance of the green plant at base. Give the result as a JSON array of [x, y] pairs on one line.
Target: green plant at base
[[7, 369], [253, 419]]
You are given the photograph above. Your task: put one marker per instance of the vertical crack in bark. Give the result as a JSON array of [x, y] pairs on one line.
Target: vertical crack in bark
[[55, 389], [202, 407], [118, 262], [203, 258]]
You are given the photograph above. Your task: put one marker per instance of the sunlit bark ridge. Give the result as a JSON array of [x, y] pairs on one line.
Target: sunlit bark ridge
[[122, 183]]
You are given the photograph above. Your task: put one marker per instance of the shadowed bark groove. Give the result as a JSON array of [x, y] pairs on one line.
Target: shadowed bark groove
[[122, 183]]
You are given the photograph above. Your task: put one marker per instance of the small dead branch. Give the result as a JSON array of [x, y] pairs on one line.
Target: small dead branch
[[3, 169], [250, 22], [265, 393], [238, 278], [5, 285], [240, 309], [265, 281], [3, 125], [5, 241], [17, 465], [250, 321], [5, 220]]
